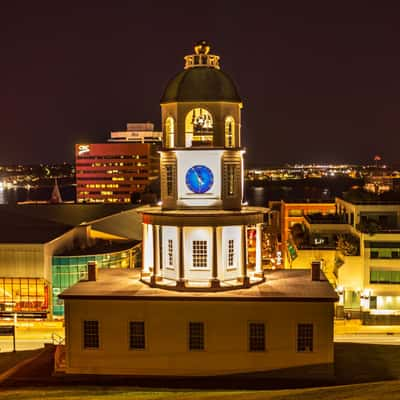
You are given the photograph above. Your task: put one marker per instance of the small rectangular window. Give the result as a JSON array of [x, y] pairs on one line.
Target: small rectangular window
[[305, 337], [170, 253], [231, 252], [196, 336], [170, 179], [199, 253], [231, 179], [136, 335], [91, 334], [256, 336], [374, 254]]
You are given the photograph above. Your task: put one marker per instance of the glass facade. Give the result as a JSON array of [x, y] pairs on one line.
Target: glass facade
[[384, 276], [385, 253], [67, 270], [24, 295]]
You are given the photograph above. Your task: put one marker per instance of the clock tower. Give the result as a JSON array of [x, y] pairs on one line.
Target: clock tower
[[197, 239]]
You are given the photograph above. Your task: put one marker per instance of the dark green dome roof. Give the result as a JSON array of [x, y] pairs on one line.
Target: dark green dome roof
[[201, 84]]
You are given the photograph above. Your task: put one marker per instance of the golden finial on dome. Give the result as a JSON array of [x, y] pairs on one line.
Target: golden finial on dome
[[202, 47], [202, 58]]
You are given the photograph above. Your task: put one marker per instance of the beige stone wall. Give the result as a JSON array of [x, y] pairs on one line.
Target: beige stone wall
[[226, 336], [22, 260]]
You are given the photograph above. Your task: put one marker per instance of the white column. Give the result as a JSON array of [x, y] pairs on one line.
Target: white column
[[214, 282], [180, 283], [245, 278], [145, 265], [147, 249], [156, 254], [258, 269]]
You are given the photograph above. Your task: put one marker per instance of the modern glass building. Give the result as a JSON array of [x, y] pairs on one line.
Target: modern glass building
[[70, 268], [27, 296]]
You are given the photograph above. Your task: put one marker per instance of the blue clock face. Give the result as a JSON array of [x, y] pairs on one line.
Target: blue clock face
[[199, 179]]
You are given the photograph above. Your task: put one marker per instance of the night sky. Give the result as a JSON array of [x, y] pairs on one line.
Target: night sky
[[320, 81]]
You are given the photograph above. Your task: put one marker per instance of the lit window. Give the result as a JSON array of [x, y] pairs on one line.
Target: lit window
[[170, 132], [231, 252], [305, 336], [256, 336], [170, 253], [199, 253], [136, 335], [170, 179], [198, 128], [231, 179], [196, 336], [229, 132], [91, 334]]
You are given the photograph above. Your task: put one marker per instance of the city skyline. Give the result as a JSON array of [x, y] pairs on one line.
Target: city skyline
[[318, 84]]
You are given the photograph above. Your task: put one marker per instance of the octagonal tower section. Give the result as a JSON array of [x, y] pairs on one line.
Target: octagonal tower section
[[197, 239]]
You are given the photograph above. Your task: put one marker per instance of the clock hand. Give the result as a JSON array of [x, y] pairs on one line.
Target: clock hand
[[199, 178]]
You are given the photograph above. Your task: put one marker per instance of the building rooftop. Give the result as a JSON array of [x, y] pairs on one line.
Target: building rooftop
[[201, 84], [325, 219], [18, 228], [118, 219], [245, 210], [280, 285], [100, 246]]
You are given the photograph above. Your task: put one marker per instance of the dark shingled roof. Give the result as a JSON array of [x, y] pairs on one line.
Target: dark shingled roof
[[280, 285], [201, 84]]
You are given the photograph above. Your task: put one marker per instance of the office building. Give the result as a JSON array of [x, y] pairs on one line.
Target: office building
[[115, 172]]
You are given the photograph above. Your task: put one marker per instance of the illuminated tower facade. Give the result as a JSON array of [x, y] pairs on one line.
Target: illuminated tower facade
[[197, 238]]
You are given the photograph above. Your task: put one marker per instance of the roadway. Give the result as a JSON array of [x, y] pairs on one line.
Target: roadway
[[371, 338]]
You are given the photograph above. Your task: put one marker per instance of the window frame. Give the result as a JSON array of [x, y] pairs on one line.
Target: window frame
[[170, 132], [130, 335], [170, 254], [202, 336], [249, 337], [230, 255], [312, 348], [169, 180], [85, 346], [229, 138], [196, 258]]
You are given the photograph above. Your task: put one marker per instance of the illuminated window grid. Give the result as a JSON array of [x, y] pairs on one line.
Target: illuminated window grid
[[137, 339], [170, 253], [256, 336], [196, 336], [305, 338], [231, 252], [199, 253], [91, 334], [23, 294]]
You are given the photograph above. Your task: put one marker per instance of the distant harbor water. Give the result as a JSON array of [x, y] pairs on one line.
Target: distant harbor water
[[257, 193], [14, 195]]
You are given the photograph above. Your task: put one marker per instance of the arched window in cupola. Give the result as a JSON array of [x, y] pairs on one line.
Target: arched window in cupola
[[198, 128], [229, 132], [170, 132]]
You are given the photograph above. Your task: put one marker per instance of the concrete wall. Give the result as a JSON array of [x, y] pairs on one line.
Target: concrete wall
[[166, 327]]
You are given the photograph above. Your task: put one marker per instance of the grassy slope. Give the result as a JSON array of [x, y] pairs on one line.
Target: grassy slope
[[370, 391], [354, 363], [9, 359]]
